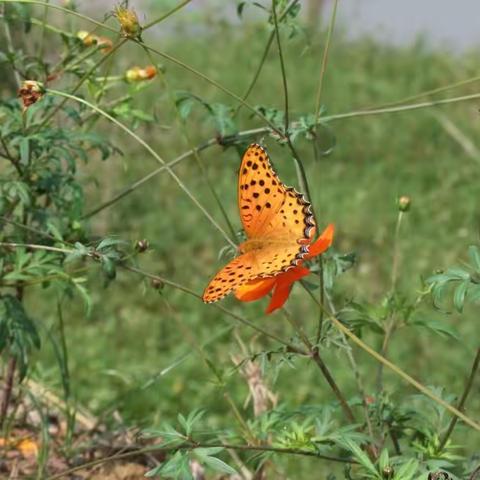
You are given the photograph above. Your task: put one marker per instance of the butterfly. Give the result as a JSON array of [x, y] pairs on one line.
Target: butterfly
[[278, 223]]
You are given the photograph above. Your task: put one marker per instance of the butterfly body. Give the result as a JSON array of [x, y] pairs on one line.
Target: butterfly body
[[278, 223]]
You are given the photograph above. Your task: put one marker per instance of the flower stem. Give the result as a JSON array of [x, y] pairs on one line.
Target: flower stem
[[461, 404]]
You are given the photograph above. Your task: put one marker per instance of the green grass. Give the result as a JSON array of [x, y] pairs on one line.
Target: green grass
[[134, 332]]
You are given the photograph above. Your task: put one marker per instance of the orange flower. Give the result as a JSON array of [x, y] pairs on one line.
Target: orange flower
[[282, 283]]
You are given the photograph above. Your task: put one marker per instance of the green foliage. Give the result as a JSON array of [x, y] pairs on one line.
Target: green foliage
[[463, 281], [151, 356], [18, 334]]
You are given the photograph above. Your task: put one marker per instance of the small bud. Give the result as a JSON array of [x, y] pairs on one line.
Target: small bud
[[157, 284], [142, 245], [388, 472], [70, 4], [89, 39], [128, 22], [149, 72], [137, 74], [30, 92], [404, 203], [86, 38]]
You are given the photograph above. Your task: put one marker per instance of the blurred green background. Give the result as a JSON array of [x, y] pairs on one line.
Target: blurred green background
[[132, 354]]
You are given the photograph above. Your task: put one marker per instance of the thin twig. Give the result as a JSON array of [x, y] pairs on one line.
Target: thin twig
[[166, 15], [290, 347], [132, 187], [461, 404], [264, 57], [85, 77], [7, 389], [410, 380], [323, 67], [315, 356], [10, 47], [252, 133], [193, 446], [391, 321], [282, 64], [154, 154]]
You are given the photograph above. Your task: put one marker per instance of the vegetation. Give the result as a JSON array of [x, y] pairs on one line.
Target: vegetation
[[121, 137]]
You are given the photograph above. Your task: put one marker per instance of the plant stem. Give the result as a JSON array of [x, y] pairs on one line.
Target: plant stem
[[421, 388], [7, 389], [207, 79], [10, 375], [10, 47], [323, 67], [282, 65], [132, 187], [331, 382], [404, 375], [264, 57], [315, 356], [166, 15], [396, 251], [290, 347], [391, 321], [155, 155], [261, 131], [43, 23], [193, 446], [64, 10], [461, 404]]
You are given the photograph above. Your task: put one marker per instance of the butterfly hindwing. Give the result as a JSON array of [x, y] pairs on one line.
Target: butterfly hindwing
[[265, 262]]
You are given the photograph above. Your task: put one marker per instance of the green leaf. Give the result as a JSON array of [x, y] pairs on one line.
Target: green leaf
[[177, 467], [474, 254], [18, 333], [407, 470], [24, 151], [360, 456], [436, 326], [218, 465], [384, 460], [460, 294]]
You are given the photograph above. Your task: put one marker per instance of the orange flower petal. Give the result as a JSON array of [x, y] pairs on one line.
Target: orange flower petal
[[283, 286], [322, 243], [255, 289]]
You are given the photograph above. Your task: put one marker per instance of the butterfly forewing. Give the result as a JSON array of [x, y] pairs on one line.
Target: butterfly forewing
[[267, 206]]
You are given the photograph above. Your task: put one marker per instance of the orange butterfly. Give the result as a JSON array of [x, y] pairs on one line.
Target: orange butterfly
[[277, 220]]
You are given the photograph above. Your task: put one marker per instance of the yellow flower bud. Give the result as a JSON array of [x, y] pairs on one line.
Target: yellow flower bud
[[404, 203], [128, 22]]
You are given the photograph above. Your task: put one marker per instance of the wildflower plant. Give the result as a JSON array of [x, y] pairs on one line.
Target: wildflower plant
[[67, 91]]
